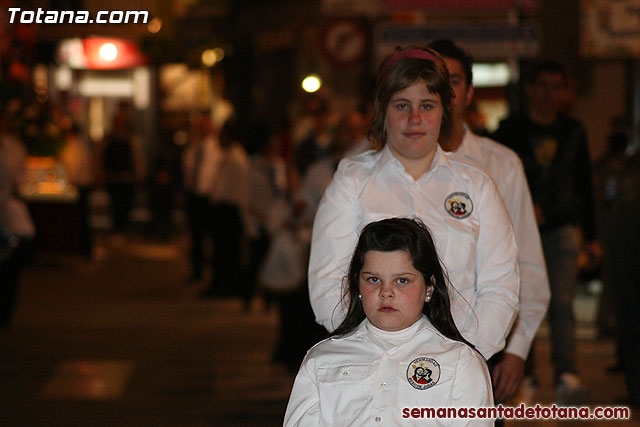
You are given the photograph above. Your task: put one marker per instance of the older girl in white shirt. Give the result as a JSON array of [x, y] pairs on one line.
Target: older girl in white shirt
[[410, 175], [398, 347]]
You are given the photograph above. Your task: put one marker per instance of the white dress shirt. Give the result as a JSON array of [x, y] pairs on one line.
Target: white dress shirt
[[364, 379], [477, 248], [505, 167], [210, 157]]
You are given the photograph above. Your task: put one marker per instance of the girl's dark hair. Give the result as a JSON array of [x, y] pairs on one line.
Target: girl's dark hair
[[413, 237], [403, 73]]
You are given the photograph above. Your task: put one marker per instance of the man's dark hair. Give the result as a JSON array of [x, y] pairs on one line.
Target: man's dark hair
[[551, 67], [448, 49]]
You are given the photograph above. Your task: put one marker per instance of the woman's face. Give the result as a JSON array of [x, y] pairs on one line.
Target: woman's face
[[393, 291], [412, 122]]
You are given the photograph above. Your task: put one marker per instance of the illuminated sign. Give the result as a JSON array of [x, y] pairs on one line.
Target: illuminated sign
[[100, 53]]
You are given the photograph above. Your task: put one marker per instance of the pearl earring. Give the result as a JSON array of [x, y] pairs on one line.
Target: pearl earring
[[360, 296]]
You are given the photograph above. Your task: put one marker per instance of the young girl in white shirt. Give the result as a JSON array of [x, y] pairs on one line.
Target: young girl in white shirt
[[398, 353]]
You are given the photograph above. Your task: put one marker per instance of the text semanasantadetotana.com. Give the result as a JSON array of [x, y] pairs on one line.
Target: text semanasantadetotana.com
[[41, 16], [523, 412]]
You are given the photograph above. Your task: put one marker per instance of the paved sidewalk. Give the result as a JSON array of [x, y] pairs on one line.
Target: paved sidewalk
[[123, 340]]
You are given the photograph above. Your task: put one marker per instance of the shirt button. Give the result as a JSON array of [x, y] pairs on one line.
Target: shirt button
[[378, 419], [383, 384]]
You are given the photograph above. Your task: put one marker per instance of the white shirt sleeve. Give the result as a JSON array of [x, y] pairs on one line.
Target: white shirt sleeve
[[333, 240], [534, 289], [471, 374], [303, 408], [497, 277]]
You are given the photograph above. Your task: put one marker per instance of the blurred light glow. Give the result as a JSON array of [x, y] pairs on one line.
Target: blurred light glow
[[104, 85], [108, 52], [219, 53], [209, 57], [154, 25], [491, 75], [96, 118], [63, 77], [141, 85], [180, 138], [311, 83]]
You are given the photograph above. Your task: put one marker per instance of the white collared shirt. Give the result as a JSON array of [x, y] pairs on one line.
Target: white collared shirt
[[209, 163], [506, 169], [477, 248], [356, 381]]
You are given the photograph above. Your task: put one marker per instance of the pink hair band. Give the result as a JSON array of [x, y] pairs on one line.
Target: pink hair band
[[409, 53]]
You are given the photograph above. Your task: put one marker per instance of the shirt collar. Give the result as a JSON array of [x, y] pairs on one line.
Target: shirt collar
[[362, 330], [387, 158], [469, 146]]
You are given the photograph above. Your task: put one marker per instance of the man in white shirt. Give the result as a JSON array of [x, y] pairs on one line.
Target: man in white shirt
[[200, 163], [505, 167], [229, 216]]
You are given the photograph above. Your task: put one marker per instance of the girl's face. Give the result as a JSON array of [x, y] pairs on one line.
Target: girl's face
[[393, 291], [412, 122]]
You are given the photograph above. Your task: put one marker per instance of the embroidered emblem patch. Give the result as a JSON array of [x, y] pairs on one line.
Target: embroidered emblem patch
[[423, 373], [459, 205]]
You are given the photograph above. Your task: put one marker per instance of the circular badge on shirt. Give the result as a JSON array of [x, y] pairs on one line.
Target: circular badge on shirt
[[459, 205], [423, 373]]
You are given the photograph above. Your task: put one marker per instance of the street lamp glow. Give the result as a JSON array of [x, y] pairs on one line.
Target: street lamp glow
[[209, 57], [108, 51], [311, 83], [154, 25]]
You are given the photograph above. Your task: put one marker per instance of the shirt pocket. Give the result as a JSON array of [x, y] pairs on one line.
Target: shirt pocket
[[342, 390], [436, 396]]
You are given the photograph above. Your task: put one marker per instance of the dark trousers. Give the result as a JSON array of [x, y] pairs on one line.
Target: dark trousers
[[198, 219], [258, 247], [10, 270], [298, 329], [121, 198], [86, 237], [227, 235], [627, 297]]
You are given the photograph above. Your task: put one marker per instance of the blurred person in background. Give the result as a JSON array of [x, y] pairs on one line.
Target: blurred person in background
[[609, 172], [319, 174], [312, 136], [554, 151], [268, 203], [298, 330], [17, 231], [200, 161], [123, 168], [504, 166], [228, 214], [79, 162], [619, 188]]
